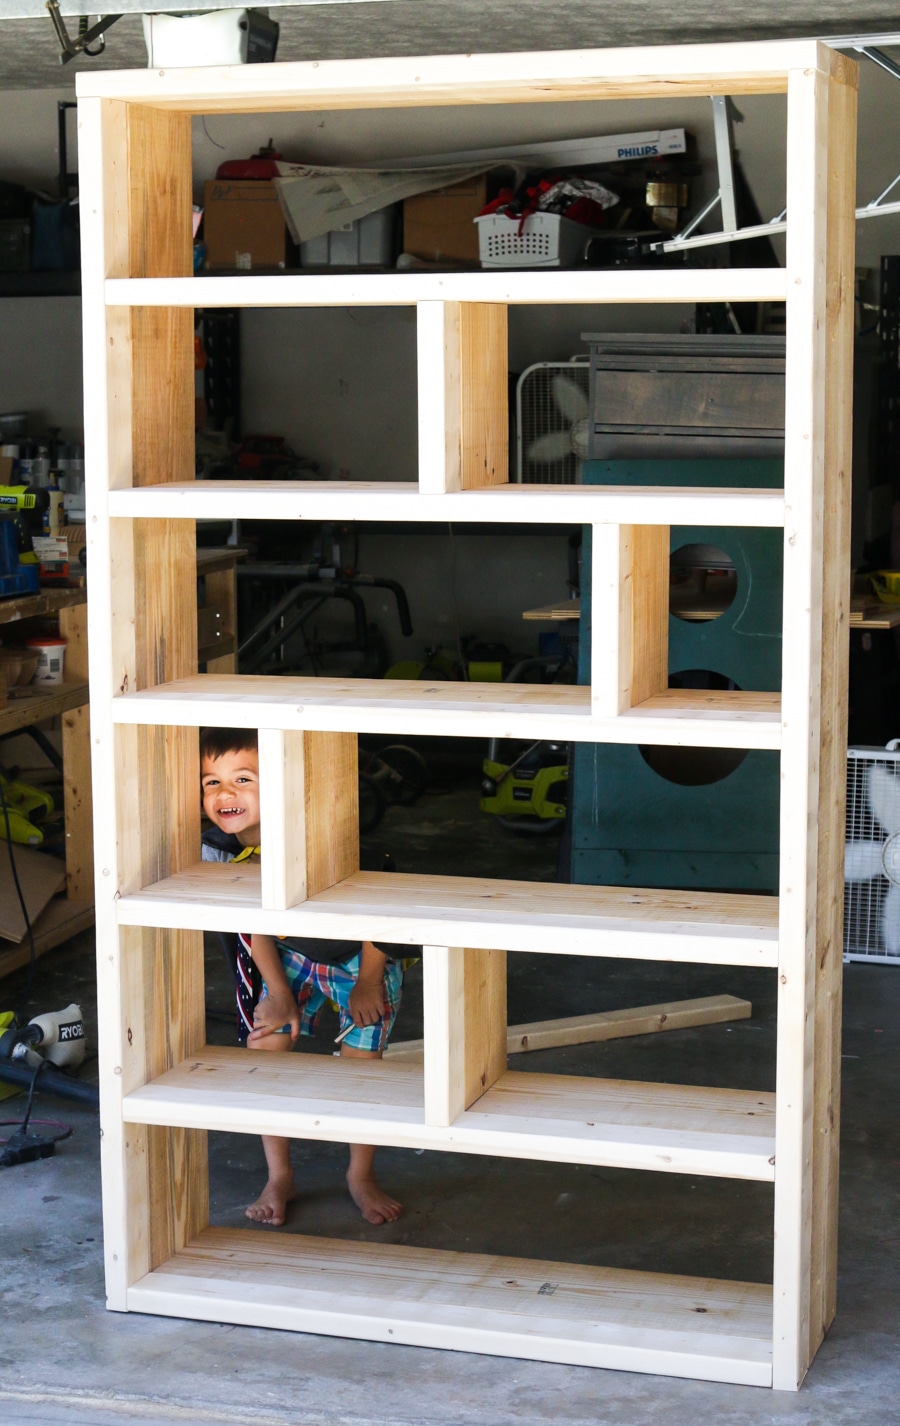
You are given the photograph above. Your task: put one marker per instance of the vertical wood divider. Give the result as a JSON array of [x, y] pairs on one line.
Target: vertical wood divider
[[139, 430], [464, 991], [629, 616], [821, 132], [829, 969], [221, 594], [282, 808], [484, 395], [437, 348], [463, 396], [309, 798]]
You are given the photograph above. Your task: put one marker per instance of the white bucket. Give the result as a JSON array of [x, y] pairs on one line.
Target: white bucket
[[51, 659]]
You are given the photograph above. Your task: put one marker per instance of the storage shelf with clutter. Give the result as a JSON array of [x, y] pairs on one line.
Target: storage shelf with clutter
[[154, 902]]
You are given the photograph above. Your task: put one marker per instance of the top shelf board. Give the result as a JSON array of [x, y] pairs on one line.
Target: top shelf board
[[407, 289], [416, 82], [400, 501]]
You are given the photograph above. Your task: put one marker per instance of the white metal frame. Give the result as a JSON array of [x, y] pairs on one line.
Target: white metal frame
[[153, 900]]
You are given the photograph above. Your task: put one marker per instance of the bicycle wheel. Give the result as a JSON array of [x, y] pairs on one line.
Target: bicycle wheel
[[413, 771], [371, 804]]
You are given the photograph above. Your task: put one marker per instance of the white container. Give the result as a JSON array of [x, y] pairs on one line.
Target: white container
[[368, 242], [543, 240], [174, 41], [51, 659]]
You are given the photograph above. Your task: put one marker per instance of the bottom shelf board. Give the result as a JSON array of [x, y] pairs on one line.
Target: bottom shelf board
[[468, 1302], [556, 1118]]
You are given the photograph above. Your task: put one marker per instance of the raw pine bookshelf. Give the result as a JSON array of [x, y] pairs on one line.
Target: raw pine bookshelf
[[161, 1087]]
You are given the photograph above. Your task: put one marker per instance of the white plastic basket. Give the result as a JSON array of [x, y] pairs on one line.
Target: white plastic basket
[[543, 240]]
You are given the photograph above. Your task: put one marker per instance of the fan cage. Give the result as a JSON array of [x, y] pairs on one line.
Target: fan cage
[[538, 414], [864, 901]]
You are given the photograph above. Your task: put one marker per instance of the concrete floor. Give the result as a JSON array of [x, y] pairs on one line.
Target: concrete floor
[[64, 1359]]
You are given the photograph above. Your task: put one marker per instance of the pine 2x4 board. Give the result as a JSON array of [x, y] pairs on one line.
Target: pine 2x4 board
[[161, 1089]]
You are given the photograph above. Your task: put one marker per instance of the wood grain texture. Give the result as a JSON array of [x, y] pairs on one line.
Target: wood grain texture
[[556, 1118], [309, 801], [677, 717], [630, 624], [163, 1020], [58, 922], [543, 917], [139, 297], [464, 1001], [649, 612], [36, 704], [548, 77], [828, 972], [331, 808], [78, 803], [603, 1025], [221, 594], [584, 1315], [484, 1059], [484, 395], [73, 628], [801, 703], [588, 1316], [167, 1189], [816, 594]]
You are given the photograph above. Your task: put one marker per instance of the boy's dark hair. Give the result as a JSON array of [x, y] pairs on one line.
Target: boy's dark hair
[[216, 742]]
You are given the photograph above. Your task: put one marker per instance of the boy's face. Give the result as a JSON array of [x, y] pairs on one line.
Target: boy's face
[[230, 787]]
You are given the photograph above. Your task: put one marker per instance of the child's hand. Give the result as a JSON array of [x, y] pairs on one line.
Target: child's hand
[[276, 1009], [366, 1003]]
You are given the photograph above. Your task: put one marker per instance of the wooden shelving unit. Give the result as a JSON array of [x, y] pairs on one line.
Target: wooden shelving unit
[[161, 1087]]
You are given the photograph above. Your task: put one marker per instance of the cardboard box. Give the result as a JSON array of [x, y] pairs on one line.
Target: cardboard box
[[440, 225], [243, 226]]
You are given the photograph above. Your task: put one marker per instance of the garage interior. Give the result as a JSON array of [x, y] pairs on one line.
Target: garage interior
[[319, 378]]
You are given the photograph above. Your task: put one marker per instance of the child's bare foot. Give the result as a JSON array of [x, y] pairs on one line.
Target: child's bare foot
[[269, 1208], [374, 1204]]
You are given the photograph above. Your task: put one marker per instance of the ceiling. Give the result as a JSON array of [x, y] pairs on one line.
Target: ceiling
[[352, 29]]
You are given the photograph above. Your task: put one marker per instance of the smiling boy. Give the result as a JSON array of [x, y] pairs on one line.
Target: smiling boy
[[299, 975]]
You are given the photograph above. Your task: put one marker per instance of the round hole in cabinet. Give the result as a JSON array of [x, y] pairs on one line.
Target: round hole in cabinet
[[702, 583], [694, 767]]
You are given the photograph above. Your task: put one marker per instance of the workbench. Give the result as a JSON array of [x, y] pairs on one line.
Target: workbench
[[69, 914], [66, 915]]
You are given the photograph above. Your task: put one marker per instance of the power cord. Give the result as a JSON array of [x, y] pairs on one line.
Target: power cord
[[4, 806], [22, 1147]]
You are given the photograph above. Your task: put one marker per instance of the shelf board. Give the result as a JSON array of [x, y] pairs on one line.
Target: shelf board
[[405, 289], [34, 703], [516, 286], [36, 606], [412, 82], [556, 1118], [401, 501], [561, 712], [700, 927], [558, 1312]]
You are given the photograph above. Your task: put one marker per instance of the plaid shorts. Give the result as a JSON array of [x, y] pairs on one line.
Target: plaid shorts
[[314, 983]]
